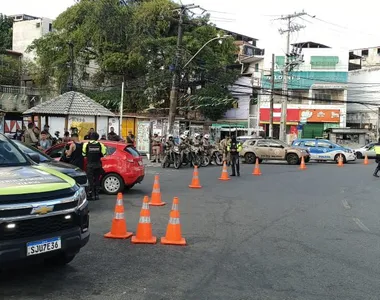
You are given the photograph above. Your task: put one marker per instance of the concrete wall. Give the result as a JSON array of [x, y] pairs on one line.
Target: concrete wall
[[25, 32], [372, 59], [242, 93]]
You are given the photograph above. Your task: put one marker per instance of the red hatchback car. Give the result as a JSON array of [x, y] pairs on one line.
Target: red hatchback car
[[123, 166]]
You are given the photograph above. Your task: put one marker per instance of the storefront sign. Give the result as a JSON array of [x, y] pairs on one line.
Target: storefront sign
[[299, 80], [293, 115], [319, 116]]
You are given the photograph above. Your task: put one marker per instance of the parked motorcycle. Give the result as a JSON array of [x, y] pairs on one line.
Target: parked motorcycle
[[172, 156]]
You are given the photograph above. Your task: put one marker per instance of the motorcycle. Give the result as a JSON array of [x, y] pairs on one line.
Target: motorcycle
[[216, 157], [172, 156], [196, 156]]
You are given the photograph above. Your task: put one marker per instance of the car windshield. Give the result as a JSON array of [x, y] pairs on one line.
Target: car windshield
[[132, 151], [10, 155], [30, 150]]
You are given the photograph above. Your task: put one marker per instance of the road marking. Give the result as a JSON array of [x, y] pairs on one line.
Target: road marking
[[361, 225], [346, 205]]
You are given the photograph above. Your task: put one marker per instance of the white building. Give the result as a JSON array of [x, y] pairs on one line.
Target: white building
[[364, 99], [317, 91], [26, 29]]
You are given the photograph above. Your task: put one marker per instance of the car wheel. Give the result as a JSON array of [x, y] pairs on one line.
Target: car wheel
[[336, 158], [60, 259], [359, 155], [112, 184], [292, 159], [250, 158]]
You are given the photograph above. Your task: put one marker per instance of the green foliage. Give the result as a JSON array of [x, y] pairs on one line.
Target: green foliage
[[10, 70], [6, 24], [137, 42]]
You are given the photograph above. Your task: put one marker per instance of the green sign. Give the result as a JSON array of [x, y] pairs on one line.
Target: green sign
[[299, 80]]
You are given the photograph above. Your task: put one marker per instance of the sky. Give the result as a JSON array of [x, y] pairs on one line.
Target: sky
[[337, 23]]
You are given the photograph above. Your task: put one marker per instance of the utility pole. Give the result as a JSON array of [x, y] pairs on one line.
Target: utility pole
[[271, 97], [71, 82], [176, 72], [121, 107], [284, 107]]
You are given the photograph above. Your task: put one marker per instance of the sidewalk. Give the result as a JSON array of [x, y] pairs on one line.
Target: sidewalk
[[148, 163]]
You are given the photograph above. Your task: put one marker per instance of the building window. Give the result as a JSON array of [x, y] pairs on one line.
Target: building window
[[378, 51], [322, 98], [256, 67], [50, 27], [38, 25], [365, 52], [235, 104], [85, 76]]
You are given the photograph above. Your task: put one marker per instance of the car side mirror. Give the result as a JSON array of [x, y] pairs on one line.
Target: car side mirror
[[35, 157]]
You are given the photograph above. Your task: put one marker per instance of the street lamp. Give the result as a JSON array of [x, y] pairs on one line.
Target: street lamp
[[220, 38], [174, 90]]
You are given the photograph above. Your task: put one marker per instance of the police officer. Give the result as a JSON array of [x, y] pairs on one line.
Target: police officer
[[234, 147], [94, 151], [156, 148], [376, 147]]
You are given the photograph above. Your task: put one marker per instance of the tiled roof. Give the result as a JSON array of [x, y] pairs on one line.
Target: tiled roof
[[70, 103]]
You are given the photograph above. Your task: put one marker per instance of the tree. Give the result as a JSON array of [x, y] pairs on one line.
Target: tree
[[10, 70], [136, 42], [6, 25]]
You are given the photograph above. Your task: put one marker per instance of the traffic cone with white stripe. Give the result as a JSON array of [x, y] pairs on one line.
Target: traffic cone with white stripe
[[195, 184], [173, 232], [144, 227], [155, 199], [224, 175], [119, 225]]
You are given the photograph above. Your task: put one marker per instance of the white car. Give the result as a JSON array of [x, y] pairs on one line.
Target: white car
[[366, 150]]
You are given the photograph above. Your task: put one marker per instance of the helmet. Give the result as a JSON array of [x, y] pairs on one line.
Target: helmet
[[206, 136], [197, 135], [183, 137], [170, 136], [186, 132]]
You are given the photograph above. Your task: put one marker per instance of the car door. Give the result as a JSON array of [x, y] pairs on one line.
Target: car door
[[325, 150], [276, 150], [311, 147], [261, 149], [369, 150]]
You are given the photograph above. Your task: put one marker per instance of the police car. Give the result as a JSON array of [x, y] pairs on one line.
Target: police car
[[325, 150]]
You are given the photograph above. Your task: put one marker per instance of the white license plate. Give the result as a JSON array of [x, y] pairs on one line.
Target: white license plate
[[38, 247], [140, 163]]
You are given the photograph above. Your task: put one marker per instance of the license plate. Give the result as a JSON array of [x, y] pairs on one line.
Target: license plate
[[39, 247], [140, 163]]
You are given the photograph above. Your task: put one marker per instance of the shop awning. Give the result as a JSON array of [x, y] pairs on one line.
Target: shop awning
[[230, 125]]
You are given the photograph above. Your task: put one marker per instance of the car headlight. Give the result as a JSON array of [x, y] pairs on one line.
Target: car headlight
[[81, 196]]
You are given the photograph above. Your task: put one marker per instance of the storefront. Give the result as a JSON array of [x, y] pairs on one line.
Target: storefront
[[292, 120], [314, 122], [220, 130]]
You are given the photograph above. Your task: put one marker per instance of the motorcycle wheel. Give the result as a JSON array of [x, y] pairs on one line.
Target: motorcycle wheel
[[218, 159], [177, 161], [205, 161], [165, 163], [196, 161]]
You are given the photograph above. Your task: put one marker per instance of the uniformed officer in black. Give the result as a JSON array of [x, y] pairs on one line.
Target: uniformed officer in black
[[94, 151], [234, 147], [376, 147]]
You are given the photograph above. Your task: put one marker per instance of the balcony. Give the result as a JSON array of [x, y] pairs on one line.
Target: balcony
[[19, 90], [250, 54]]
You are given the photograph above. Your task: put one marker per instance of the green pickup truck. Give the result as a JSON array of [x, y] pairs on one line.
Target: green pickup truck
[[43, 213]]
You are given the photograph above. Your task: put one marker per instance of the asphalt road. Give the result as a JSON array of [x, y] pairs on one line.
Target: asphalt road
[[288, 234]]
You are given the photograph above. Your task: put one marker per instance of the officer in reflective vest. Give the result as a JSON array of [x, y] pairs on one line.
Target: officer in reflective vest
[[94, 151], [376, 147], [234, 147]]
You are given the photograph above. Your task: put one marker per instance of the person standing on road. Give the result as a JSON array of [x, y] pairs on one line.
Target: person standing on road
[[130, 139], [376, 147], [223, 145], [45, 143], [156, 148], [74, 153], [94, 151], [30, 138], [234, 147]]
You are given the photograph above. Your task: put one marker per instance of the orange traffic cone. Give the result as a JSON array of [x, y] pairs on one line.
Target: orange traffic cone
[[195, 184], [156, 193], [119, 225], [340, 161], [144, 227], [366, 162], [303, 165], [173, 232], [224, 175], [256, 170]]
